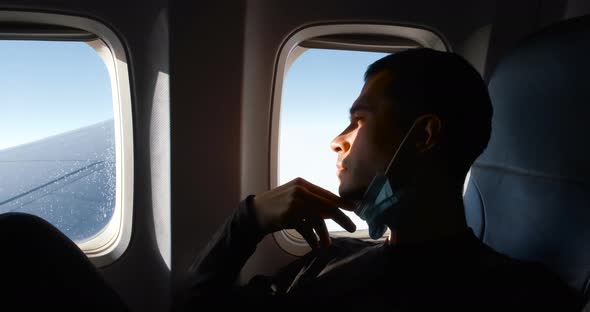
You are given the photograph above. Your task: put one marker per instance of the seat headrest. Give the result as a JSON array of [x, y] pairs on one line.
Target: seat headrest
[[528, 195], [541, 98]]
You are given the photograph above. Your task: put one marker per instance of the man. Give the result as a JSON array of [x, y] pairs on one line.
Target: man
[[420, 121]]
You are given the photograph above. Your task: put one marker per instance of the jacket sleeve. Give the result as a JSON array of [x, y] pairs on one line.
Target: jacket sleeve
[[216, 269]]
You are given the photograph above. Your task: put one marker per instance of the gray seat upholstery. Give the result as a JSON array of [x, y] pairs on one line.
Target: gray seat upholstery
[[529, 195]]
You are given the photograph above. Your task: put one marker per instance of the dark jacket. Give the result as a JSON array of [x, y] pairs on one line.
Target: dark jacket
[[460, 272]]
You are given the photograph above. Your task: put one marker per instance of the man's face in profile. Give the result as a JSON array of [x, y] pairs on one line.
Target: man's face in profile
[[369, 142]]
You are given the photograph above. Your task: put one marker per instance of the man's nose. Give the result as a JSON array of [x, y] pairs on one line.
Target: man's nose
[[340, 143]]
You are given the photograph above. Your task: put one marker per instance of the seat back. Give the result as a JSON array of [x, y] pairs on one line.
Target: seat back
[[528, 195]]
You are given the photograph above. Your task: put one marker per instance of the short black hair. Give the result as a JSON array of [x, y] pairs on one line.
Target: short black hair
[[425, 81]]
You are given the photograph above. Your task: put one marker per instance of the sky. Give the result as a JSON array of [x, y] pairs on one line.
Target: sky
[[318, 91], [50, 87]]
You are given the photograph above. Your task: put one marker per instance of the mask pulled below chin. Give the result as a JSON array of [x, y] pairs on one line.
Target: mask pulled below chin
[[380, 200]]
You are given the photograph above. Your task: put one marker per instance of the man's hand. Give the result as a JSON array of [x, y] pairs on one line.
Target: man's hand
[[302, 206]]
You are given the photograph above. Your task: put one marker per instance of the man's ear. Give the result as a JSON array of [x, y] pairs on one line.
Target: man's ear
[[429, 134]]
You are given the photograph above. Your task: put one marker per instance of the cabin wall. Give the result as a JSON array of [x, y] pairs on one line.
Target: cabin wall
[[206, 88]]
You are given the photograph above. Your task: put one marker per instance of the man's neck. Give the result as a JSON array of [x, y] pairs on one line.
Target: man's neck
[[435, 213]]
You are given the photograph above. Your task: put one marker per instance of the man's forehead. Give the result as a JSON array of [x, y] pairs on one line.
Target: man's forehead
[[373, 87], [377, 81]]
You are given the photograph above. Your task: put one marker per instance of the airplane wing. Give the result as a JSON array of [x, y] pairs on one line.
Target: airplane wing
[[67, 179]]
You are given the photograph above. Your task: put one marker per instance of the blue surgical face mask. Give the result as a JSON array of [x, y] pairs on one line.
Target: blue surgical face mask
[[382, 197]]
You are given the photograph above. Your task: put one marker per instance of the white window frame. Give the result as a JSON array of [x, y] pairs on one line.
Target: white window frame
[[289, 240], [110, 243]]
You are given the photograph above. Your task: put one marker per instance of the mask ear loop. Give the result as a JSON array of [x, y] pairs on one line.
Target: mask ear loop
[[402, 144]]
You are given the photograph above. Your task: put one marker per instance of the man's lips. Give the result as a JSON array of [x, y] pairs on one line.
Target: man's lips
[[339, 169]]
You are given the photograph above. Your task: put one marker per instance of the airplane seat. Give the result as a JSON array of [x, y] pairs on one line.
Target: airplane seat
[[41, 267], [528, 195]]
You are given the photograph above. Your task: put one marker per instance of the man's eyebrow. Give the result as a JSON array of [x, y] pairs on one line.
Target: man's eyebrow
[[360, 107]]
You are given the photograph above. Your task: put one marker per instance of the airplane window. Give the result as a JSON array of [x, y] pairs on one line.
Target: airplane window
[[57, 148], [319, 89]]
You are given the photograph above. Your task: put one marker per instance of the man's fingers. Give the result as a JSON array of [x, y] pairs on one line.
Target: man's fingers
[[343, 220], [322, 230], [326, 209], [318, 202], [307, 232], [349, 206], [328, 196]]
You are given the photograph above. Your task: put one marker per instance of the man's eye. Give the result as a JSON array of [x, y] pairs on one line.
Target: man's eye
[[357, 120]]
